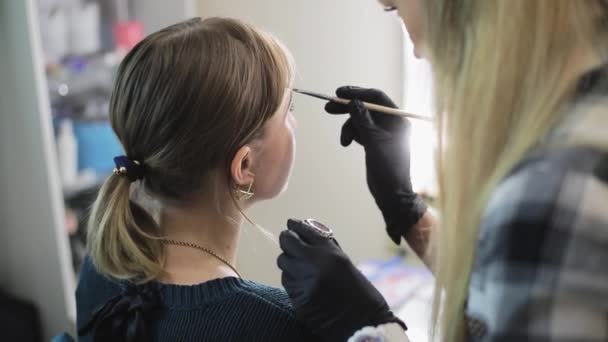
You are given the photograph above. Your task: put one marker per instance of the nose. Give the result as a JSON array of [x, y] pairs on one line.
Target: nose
[[293, 121]]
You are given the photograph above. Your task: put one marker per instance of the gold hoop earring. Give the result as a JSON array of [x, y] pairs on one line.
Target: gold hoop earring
[[243, 195]]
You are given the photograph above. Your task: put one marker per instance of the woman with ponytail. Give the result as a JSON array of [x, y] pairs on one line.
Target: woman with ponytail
[[203, 111]]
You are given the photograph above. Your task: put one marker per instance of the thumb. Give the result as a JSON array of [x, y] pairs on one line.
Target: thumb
[[348, 133]]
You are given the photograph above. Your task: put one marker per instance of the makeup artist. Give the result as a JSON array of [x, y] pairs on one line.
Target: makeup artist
[[523, 175]]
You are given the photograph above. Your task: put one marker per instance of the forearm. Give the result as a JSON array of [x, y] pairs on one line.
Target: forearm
[[419, 238]]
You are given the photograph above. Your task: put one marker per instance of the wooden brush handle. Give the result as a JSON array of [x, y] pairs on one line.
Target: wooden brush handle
[[385, 110]]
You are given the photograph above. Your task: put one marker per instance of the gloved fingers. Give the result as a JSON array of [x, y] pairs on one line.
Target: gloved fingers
[[348, 133], [357, 111], [366, 95], [293, 270], [284, 262], [294, 289], [362, 119], [289, 271], [306, 233], [294, 267], [288, 282], [292, 244], [336, 108]]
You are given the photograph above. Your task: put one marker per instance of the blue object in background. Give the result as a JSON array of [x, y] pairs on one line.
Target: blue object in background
[[97, 146]]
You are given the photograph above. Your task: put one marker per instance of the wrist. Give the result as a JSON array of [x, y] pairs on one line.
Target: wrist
[[404, 216], [388, 332]]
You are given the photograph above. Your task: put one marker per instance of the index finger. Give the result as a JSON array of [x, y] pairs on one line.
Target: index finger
[[336, 108], [291, 243], [369, 95]]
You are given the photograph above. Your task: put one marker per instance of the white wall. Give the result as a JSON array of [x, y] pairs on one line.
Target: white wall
[[335, 43], [35, 264], [419, 99], [157, 14]]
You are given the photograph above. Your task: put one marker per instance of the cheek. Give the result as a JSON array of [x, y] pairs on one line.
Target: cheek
[[291, 140], [278, 163], [287, 161], [409, 11]]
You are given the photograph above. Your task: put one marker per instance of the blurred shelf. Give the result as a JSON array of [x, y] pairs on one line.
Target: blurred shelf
[[81, 86], [87, 183]]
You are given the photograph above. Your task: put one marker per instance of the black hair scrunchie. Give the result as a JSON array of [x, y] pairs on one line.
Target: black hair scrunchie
[[132, 169]]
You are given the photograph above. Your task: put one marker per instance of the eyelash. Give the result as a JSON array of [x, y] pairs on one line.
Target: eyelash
[[390, 8], [292, 105]]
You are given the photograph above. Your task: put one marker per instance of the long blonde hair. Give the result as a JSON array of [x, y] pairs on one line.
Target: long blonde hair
[[504, 73], [185, 100]]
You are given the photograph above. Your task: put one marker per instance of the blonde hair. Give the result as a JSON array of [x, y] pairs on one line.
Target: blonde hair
[[504, 73], [185, 100]]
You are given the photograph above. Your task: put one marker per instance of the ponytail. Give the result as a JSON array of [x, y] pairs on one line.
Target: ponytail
[[121, 235]]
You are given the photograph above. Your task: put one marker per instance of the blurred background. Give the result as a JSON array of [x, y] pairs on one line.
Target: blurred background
[[57, 63]]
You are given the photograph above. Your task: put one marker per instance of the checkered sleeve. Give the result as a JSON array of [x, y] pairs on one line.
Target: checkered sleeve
[[541, 269]]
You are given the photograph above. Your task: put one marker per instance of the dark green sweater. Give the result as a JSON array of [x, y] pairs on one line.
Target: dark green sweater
[[228, 309]]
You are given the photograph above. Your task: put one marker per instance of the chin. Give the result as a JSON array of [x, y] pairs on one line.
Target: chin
[[284, 188], [419, 52]]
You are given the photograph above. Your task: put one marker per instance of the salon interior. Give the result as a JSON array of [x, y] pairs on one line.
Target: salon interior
[[58, 59]]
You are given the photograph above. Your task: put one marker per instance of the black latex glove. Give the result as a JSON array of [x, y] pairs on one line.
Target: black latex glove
[[329, 294], [385, 139]]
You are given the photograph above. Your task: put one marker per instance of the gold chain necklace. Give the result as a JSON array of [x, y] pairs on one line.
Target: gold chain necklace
[[201, 248]]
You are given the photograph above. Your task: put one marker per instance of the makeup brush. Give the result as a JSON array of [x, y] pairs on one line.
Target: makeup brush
[[370, 106]]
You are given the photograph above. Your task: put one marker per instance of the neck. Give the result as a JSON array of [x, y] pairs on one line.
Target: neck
[[202, 222]]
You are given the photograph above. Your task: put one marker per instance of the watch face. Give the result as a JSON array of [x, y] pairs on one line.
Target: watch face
[[319, 227]]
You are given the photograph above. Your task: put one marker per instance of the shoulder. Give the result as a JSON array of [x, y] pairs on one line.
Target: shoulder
[[270, 297], [93, 290], [90, 281], [269, 307]]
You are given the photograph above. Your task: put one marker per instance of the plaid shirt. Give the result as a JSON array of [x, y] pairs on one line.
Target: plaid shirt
[[541, 268]]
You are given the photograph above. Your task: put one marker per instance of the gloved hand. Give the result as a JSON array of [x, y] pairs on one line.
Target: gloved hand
[[385, 139], [327, 291]]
